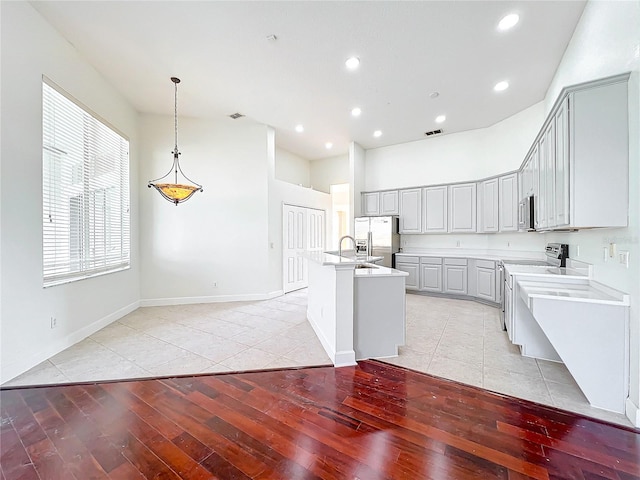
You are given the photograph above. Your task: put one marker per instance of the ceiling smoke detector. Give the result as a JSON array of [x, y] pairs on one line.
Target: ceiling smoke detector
[[236, 115], [433, 132]]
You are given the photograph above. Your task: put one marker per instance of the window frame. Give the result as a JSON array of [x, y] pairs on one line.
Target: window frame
[[91, 236]]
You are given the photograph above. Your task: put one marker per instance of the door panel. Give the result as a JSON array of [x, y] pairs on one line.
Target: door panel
[[303, 230]]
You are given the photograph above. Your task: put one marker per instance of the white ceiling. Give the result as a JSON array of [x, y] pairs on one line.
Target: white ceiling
[[407, 50]]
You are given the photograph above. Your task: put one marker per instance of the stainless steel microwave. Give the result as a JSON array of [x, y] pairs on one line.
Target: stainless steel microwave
[[527, 214]]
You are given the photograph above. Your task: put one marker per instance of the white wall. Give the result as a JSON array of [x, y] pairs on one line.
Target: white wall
[[357, 178], [508, 242], [329, 171], [280, 193], [217, 236], [292, 168], [32, 48], [607, 42], [470, 155]]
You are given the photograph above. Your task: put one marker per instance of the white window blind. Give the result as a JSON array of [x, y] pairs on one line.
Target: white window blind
[[85, 192]]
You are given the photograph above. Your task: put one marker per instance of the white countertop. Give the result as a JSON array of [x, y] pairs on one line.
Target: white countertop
[[324, 258], [328, 259], [547, 271], [588, 291], [378, 271]]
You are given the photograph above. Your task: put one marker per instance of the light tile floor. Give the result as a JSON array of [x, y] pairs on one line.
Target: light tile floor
[[463, 341], [202, 338], [455, 339]]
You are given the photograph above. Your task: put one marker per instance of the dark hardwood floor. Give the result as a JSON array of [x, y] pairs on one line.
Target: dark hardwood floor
[[366, 422]]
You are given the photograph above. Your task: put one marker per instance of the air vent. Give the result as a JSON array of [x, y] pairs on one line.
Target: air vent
[[236, 116], [433, 132]]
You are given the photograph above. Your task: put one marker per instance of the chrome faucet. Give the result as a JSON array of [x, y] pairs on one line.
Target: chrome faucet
[[340, 244]]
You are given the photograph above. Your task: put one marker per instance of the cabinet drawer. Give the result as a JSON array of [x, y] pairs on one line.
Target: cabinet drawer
[[455, 261], [486, 264], [404, 259], [431, 260]]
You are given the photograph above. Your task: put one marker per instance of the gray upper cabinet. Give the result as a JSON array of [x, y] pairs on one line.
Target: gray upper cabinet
[[411, 210], [578, 167], [508, 203], [599, 155], [562, 165], [462, 208], [488, 206], [380, 203], [434, 209], [577, 171], [389, 203], [371, 204]]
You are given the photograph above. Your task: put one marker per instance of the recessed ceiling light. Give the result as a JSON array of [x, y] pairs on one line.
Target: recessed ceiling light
[[500, 86], [434, 94], [328, 145], [356, 111], [299, 128], [352, 63], [508, 21], [377, 133], [440, 118]]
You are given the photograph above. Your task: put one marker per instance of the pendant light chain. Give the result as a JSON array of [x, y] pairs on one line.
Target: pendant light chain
[[175, 114]]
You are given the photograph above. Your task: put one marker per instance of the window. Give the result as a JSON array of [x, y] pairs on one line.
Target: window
[[85, 192]]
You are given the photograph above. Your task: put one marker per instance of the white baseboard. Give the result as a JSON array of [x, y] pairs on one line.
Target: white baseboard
[[161, 302], [331, 352], [16, 368], [632, 411], [345, 358]]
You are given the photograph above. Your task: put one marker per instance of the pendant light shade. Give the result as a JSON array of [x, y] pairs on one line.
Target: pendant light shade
[[175, 192]]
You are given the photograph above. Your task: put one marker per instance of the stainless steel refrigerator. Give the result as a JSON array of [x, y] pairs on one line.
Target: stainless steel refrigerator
[[379, 237]]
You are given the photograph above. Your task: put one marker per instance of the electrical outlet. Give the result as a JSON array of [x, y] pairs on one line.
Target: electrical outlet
[[54, 322], [457, 243], [215, 284]]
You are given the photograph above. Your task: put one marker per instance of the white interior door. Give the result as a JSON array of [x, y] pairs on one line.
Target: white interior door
[[303, 229]]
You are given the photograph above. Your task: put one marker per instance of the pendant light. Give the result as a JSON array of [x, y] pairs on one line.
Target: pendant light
[[175, 192]]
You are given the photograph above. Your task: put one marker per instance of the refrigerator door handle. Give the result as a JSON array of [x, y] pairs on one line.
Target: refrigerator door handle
[[369, 243]]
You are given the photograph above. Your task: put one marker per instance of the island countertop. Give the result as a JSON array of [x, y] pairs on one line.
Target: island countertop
[[364, 267], [324, 258]]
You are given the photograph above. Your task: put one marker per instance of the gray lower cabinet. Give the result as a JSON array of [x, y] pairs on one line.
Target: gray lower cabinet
[[472, 277], [411, 265], [455, 276], [431, 274], [485, 280]]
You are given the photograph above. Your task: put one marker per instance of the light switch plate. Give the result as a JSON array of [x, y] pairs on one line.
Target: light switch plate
[[623, 258]]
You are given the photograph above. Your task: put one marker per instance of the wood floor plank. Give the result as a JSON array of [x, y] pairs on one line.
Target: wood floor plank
[[371, 421], [582, 452]]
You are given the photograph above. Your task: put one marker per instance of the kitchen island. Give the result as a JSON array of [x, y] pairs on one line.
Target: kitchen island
[[356, 308]]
